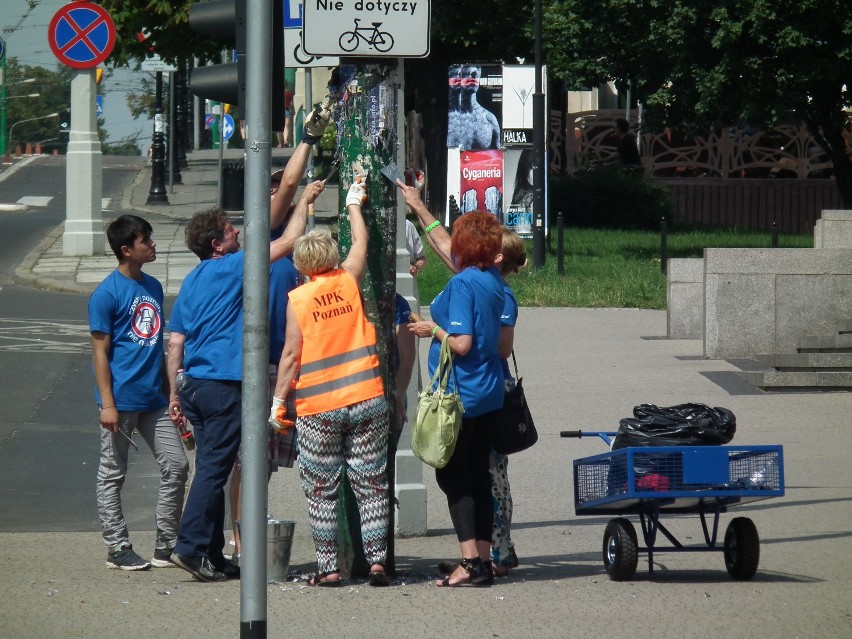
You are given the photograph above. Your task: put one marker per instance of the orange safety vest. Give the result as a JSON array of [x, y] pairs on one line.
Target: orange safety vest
[[339, 361]]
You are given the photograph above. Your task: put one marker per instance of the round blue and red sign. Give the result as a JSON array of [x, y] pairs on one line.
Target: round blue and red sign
[[81, 34]]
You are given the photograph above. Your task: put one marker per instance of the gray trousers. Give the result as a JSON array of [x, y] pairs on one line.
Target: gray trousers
[[163, 439]]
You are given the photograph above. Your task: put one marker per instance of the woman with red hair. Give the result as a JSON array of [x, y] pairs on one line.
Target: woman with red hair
[[467, 312]]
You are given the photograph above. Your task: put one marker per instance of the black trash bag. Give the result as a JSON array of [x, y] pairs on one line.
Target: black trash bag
[[681, 425]]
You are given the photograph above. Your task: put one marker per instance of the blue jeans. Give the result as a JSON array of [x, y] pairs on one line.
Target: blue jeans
[[213, 408]]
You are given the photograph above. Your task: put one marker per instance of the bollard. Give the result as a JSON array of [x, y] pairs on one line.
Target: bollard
[[774, 235], [560, 254], [664, 244]]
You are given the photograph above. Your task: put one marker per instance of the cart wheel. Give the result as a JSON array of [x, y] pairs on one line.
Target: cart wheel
[[620, 549], [742, 548]]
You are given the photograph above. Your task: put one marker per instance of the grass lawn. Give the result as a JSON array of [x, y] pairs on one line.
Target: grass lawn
[[609, 268]]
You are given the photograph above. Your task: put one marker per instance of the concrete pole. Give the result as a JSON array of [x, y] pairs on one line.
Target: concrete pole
[[410, 491], [255, 406], [84, 227], [369, 142]]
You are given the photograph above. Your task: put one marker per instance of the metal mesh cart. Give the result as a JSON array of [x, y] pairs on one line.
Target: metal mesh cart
[[656, 481]]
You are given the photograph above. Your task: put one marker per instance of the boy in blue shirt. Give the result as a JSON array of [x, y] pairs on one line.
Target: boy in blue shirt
[[131, 387]]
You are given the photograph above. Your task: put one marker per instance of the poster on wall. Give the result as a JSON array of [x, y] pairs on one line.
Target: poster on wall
[[518, 88], [476, 95], [518, 191], [481, 181], [473, 137]]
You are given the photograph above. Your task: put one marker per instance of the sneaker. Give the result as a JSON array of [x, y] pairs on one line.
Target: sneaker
[[162, 558], [122, 557], [227, 567], [198, 567]]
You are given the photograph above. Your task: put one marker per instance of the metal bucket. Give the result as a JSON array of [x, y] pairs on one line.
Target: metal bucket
[[279, 544]]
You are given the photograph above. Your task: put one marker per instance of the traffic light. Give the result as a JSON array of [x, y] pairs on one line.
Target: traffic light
[[226, 19]]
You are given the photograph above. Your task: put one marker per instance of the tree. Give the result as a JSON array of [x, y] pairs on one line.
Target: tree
[[701, 64], [166, 23], [54, 89]]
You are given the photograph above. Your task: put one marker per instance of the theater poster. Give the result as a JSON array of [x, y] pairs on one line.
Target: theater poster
[[474, 136], [517, 137]]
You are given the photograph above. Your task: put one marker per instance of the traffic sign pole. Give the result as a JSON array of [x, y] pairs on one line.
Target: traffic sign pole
[[84, 227], [82, 35]]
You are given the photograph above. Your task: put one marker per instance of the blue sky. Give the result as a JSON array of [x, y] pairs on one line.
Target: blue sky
[[28, 43]]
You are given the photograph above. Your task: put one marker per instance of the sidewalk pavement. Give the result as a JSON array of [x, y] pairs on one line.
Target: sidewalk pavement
[[583, 369], [47, 267]]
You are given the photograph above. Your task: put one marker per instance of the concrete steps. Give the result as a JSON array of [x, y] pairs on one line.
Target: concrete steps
[[822, 363]]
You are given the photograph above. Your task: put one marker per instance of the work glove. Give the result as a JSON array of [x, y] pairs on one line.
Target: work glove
[[278, 418], [316, 122], [358, 191]]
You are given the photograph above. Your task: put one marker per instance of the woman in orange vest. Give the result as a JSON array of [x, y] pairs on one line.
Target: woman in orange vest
[[331, 365]]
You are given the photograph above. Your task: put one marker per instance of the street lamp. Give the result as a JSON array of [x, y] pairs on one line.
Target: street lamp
[[25, 95], [8, 159]]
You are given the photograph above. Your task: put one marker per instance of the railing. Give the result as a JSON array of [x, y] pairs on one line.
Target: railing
[[731, 175]]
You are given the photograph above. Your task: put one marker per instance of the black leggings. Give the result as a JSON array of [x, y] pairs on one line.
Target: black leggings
[[466, 480]]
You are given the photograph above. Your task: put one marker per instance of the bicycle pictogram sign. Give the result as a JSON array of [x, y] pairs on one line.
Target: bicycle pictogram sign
[[371, 36], [81, 35]]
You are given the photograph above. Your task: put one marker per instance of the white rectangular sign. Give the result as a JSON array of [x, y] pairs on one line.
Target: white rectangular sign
[[367, 28], [155, 63]]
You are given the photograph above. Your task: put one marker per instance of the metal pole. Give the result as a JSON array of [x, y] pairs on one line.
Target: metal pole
[[255, 408], [171, 130], [197, 116], [157, 192], [560, 252], [664, 244], [3, 139], [220, 126], [774, 234], [538, 149], [309, 99]]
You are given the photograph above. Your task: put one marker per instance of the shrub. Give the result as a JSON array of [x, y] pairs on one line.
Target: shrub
[[609, 197]]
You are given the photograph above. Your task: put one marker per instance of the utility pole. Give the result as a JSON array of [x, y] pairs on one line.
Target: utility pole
[[368, 142], [539, 221], [3, 140]]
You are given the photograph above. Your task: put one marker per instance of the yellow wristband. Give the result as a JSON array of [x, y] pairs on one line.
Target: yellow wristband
[[435, 330], [432, 226]]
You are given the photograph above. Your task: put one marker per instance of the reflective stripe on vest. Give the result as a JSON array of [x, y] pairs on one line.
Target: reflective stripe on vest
[[339, 363]]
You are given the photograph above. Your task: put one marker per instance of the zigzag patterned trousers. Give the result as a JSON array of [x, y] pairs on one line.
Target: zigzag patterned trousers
[[356, 436]]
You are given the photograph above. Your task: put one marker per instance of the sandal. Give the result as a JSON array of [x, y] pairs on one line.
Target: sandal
[[378, 578], [320, 579], [478, 574]]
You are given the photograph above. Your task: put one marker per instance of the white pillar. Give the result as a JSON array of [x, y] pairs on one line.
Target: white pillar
[[410, 490], [84, 228]]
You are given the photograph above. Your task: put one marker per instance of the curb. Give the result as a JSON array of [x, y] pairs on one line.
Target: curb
[[24, 273]]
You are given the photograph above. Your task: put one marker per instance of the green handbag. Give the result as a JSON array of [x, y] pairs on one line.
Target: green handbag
[[439, 415]]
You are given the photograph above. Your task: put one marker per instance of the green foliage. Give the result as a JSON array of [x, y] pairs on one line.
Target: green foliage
[[54, 89], [608, 269], [609, 197], [168, 23], [699, 63]]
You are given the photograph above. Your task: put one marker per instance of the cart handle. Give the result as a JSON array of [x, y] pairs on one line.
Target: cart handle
[[606, 436]]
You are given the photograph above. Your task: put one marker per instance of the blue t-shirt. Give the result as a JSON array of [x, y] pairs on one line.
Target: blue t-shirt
[[209, 313], [508, 318], [471, 304], [403, 316], [283, 278], [131, 313]]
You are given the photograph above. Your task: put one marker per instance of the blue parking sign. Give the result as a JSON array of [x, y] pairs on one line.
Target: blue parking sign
[[292, 14], [99, 105]]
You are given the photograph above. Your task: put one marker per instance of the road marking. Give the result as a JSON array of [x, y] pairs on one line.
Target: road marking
[[44, 336], [35, 200]]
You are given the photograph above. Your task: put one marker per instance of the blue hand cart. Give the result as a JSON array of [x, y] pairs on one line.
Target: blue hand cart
[[662, 480]]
